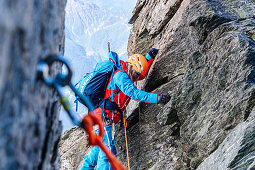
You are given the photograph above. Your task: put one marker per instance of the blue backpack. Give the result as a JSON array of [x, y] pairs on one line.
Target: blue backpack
[[93, 85]]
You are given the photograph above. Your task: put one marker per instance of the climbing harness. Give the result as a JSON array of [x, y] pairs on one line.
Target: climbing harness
[[87, 123]]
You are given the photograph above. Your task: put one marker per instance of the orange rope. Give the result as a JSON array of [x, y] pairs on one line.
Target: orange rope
[[125, 127], [88, 122]]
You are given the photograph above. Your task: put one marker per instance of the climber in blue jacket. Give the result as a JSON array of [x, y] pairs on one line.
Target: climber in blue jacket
[[135, 69]]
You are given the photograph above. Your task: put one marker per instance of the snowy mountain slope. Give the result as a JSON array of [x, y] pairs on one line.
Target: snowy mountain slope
[[89, 25]]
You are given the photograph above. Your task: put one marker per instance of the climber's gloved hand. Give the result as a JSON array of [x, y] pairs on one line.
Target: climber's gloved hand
[[153, 52], [164, 98]]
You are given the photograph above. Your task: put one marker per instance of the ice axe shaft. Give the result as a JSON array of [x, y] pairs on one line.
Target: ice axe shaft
[[109, 47]]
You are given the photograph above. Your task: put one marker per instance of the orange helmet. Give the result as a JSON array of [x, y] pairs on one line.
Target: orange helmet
[[140, 64]]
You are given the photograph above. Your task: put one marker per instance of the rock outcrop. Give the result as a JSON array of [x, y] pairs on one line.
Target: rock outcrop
[[237, 149], [73, 147], [207, 64], [29, 128]]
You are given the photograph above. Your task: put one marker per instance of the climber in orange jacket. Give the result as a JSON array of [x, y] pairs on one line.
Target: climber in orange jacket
[[122, 83]]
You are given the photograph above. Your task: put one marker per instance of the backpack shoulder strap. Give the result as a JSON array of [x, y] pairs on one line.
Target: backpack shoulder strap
[[116, 92]]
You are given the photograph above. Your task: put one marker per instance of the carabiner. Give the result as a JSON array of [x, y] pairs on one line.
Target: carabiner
[[43, 70]]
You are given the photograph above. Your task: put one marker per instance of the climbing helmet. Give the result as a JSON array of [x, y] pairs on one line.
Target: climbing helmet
[[140, 64]]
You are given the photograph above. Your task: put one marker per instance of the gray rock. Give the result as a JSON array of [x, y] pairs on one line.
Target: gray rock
[[29, 127], [207, 65], [73, 146], [237, 151]]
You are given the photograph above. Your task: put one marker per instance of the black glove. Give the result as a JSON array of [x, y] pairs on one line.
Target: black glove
[[164, 98], [153, 52]]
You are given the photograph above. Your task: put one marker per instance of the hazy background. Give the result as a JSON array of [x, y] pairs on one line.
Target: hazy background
[[89, 25]]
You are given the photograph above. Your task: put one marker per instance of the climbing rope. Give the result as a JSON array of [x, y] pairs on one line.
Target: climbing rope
[[125, 127], [87, 123]]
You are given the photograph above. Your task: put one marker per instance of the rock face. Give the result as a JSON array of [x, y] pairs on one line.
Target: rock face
[[73, 147], [237, 151], [207, 64], [29, 127]]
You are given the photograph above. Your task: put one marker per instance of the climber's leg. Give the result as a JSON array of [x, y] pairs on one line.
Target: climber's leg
[[90, 160], [103, 163]]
